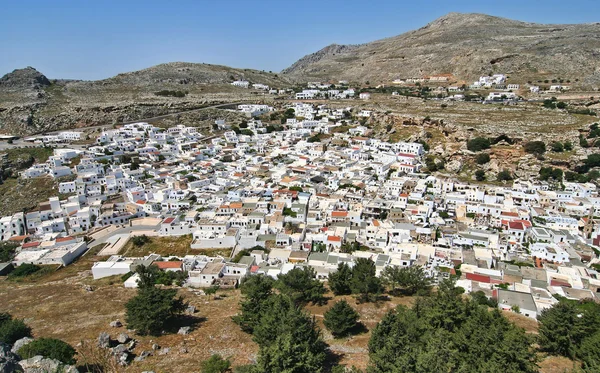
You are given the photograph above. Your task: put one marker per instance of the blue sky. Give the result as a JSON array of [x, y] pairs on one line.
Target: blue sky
[[82, 39]]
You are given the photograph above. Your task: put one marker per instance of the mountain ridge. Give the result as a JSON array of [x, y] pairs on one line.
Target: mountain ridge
[[466, 46]]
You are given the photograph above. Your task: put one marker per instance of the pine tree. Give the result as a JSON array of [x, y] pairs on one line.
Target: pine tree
[[339, 281], [341, 319], [364, 281], [152, 309], [256, 290]]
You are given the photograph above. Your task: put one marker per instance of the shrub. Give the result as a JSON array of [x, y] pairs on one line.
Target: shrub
[[215, 364], [140, 240], [24, 270], [557, 147], [50, 348], [482, 158], [535, 147], [11, 330], [478, 144], [504, 175], [480, 175]]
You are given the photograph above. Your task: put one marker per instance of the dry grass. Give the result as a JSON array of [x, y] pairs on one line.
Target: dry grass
[[166, 246]]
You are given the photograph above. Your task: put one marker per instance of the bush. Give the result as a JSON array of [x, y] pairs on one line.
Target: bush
[[482, 158], [341, 319], [215, 364], [504, 175], [557, 147], [140, 240], [11, 330], [7, 251], [478, 144], [24, 270], [480, 175], [50, 348], [535, 147]]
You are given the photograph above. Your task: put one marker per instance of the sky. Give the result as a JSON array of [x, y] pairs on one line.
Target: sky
[[84, 39]]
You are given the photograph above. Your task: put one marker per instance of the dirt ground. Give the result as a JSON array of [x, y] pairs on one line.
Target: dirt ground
[[57, 304]]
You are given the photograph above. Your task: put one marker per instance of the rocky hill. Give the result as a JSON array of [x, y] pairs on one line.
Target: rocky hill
[[467, 46], [31, 103]]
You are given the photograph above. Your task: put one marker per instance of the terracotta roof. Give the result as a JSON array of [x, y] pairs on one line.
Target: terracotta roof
[[334, 238], [235, 205], [31, 244], [168, 220], [140, 202], [339, 214], [64, 239], [516, 225], [17, 238], [167, 265]]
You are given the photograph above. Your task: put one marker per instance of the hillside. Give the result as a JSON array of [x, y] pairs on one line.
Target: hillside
[[467, 46], [31, 103]]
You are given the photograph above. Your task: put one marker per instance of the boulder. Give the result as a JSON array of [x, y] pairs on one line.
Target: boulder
[[190, 310], [184, 330], [454, 165], [164, 351], [116, 324], [20, 343], [8, 360], [155, 346], [104, 340], [123, 338], [119, 349], [10, 366], [123, 359], [39, 364], [143, 355]]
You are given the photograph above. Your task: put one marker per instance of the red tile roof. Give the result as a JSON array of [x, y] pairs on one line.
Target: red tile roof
[[64, 239], [339, 214], [334, 238], [168, 220], [31, 244], [168, 265]]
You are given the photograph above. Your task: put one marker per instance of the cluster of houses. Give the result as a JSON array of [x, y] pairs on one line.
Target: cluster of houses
[[310, 195]]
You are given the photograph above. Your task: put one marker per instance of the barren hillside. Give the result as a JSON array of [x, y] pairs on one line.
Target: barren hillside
[[467, 46]]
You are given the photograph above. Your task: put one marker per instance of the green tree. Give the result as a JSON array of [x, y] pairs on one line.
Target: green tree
[[563, 327], [589, 353], [478, 144], [50, 348], [482, 158], [341, 319], [436, 336], [152, 309], [363, 281], [256, 290], [339, 281], [215, 364], [301, 285], [289, 339], [411, 280], [212, 290], [148, 275], [7, 251], [480, 175]]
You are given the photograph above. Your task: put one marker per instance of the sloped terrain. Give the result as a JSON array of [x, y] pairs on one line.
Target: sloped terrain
[[466, 46]]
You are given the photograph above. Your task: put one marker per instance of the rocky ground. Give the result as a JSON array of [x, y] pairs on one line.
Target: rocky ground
[[466, 46]]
